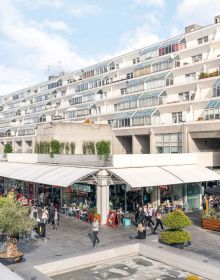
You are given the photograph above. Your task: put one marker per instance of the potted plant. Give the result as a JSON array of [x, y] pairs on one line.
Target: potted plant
[[175, 236], [94, 214], [210, 220], [14, 220]]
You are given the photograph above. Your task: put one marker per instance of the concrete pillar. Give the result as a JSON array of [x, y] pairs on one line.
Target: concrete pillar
[[152, 142], [155, 196], [102, 195], [185, 193]]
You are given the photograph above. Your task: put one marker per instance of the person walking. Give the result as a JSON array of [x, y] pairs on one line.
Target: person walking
[[150, 215], [45, 215], [55, 219], [158, 216], [145, 214], [95, 231]]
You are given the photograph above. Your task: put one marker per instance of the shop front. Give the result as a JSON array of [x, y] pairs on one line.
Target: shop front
[[77, 194]]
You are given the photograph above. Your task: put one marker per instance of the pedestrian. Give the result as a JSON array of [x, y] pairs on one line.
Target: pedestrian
[[55, 219], [139, 217], [41, 200], [150, 215], [145, 214], [45, 215], [158, 216], [95, 231]]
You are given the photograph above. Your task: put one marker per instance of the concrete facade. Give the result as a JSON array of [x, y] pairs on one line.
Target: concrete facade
[[163, 98]]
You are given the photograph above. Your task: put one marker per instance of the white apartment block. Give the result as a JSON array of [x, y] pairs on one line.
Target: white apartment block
[[164, 98]]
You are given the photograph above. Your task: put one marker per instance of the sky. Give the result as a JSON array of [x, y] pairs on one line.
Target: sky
[[70, 34]]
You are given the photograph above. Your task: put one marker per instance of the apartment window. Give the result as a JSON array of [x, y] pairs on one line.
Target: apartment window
[[177, 117], [184, 96], [216, 91], [136, 60], [190, 77], [160, 66], [63, 92], [129, 76], [127, 105], [112, 66], [169, 143], [70, 114], [121, 122], [197, 58], [141, 121], [43, 118], [123, 91], [135, 88], [212, 113], [142, 71], [75, 100], [203, 40]]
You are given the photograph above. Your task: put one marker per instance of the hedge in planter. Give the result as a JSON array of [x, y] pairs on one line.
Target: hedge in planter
[[176, 222]]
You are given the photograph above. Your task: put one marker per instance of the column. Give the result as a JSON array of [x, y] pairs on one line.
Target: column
[[185, 194], [152, 142], [102, 195]]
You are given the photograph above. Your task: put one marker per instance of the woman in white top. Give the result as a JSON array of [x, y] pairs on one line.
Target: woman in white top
[[45, 215]]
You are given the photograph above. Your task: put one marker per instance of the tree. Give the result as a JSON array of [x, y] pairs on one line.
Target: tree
[[14, 220], [54, 147], [103, 149], [8, 148], [72, 148]]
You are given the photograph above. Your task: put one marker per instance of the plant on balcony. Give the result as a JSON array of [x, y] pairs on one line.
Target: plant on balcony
[[175, 235], [67, 148], [72, 148], [8, 148], [203, 75], [14, 220], [54, 147], [88, 148], [103, 149]]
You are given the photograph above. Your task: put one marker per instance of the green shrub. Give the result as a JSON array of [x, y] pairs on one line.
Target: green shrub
[[8, 148], [54, 147], [103, 149], [175, 236], [177, 220], [210, 215], [62, 145], [72, 148], [88, 148]]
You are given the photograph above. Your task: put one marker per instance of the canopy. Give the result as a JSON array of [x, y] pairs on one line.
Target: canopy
[[213, 104], [192, 173], [48, 174], [145, 176], [164, 175], [213, 191]]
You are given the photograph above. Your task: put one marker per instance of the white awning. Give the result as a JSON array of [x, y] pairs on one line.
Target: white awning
[[145, 176], [48, 174], [192, 173], [64, 176]]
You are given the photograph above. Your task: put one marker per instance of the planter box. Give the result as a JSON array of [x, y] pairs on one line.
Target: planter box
[[10, 260], [211, 224], [176, 245], [92, 216]]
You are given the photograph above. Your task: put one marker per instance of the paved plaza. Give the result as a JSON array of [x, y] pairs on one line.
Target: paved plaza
[[73, 237]]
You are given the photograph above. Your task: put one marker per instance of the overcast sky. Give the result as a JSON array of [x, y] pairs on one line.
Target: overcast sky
[[37, 33]]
